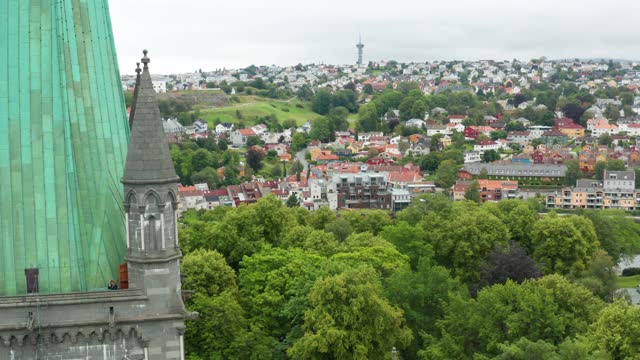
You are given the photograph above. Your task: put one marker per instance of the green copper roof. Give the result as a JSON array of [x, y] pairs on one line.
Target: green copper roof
[[63, 141]]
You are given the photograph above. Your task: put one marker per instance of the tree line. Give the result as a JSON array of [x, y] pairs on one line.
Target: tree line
[[439, 280]]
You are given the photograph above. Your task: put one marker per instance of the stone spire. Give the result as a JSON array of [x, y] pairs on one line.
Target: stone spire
[[148, 160], [135, 95]]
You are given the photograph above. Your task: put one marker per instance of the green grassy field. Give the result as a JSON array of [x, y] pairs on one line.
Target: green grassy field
[[251, 107], [353, 120], [628, 281]]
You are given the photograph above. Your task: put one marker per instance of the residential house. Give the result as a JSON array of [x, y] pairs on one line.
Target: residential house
[[451, 127], [322, 156], [217, 198], [537, 131], [572, 130], [173, 130], [160, 86], [615, 191], [603, 127], [201, 127], [472, 156], [418, 123], [438, 129], [591, 123], [305, 128], [490, 190], [191, 197], [366, 136], [519, 137], [560, 122], [489, 120], [457, 119], [260, 129], [485, 145], [239, 137], [224, 128], [554, 137], [473, 132], [421, 147], [525, 122], [280, 149]]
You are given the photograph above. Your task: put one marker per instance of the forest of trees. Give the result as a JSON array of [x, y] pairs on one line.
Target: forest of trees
[[439, 280]]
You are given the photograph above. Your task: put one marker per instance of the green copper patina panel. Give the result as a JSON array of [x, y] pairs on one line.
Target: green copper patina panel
[[63, 141]]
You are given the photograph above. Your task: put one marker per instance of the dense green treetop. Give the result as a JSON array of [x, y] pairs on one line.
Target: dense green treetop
[[438, 280]]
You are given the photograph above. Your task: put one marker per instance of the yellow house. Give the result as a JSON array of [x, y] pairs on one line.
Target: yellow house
[[572, 130], [355, 147]]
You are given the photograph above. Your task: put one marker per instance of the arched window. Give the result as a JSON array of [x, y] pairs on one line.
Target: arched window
[[151, 222], [151, 234], [132, 199], [170, 229]]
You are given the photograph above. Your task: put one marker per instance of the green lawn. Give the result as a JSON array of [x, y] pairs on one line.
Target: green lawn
[[628, 281], [251, 107], [353, 120]]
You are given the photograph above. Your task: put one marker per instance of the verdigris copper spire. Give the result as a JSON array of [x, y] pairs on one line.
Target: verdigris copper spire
[[63, 142]]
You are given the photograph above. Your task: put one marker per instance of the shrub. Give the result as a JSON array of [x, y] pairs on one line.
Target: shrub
[[631, 271], [285, 109], [299, 106]]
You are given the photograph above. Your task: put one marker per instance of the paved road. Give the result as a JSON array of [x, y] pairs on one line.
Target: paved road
[[300, 157]]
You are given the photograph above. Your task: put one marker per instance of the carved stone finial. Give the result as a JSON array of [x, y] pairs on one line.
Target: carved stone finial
[[145, 59], [138, 70]]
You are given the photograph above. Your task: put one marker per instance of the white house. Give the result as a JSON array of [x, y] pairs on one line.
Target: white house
[[457, 119], [160, 86], [397, 140], [519, 137], [485, 145], [201, 127], [366, 136], [472, 156], [633, 129], [260, 129], [455, 127], [438, 129], [525, 122], [224, 128], [419, 149], [415, 123], [535, 132], [306, 128], [604, 128]]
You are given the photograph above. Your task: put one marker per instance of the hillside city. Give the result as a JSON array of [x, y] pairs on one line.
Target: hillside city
[[375, 210], [378, 135]]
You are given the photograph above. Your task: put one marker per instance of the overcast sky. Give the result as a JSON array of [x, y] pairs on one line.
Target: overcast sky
[[186, 35]]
